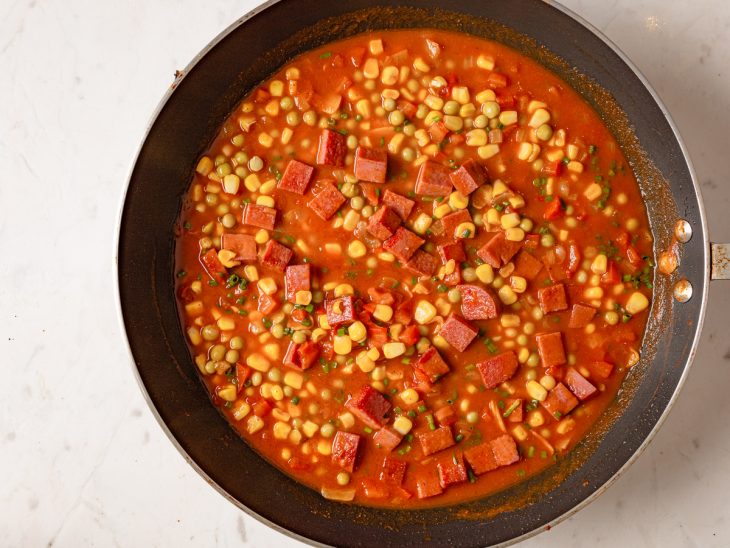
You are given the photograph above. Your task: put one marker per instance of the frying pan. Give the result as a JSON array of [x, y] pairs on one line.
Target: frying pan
[[186, 122]]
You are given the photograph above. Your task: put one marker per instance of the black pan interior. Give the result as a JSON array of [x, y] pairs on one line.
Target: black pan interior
[[186, 123]]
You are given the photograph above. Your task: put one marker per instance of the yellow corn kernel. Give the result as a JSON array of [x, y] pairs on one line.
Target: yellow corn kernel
[[465, 230], [510, 220], [262, 236], [487, 151], [281, 430], [245, 122], [637, 303], [347, 420], [422, 137], [363, 108], [267, 286], [252, 182], [197, 287], [593, 293], [205, 166], [364, 362], [342, 345], [524, 151], [485, 273], [231, 183], [333, 249], [254, 424], [523, 355], [227, 392], [324, 447], [425, 312], [458, 201], [434, 102], [378, 373], [272, 108], [476, 138], [310, 428], [390, 75], [409, 396], [599, 264], [454, 123], [226, 324], [357, 331], [268, 187], [344, 289], [303, 297], [536, 390], [516, 201], [441, 211], [194, 308], [251, 273], [351, 219], [402, 425], [485, 62], [519, 432], [510, 320], [548, 382], [393, 349], [258, 362], [535, 418], [508, 117], [266, 201], [486, 95], [286, 135], [539, 117], [422, 223], [240, 410], [507, 295], [383, 312], [395, 143], [318, 334], [265, 140], [194, 336], [565, 426], [226, 258], [493, 217], [420, 65], [575, 166], [272, 351], [293, 379], [356, 249], [518, 284], [460, 94], [515, 234], [593, 192], [370, 69]]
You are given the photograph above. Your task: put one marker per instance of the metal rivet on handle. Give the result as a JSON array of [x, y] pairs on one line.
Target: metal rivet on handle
[[683, 291], [683, 231]]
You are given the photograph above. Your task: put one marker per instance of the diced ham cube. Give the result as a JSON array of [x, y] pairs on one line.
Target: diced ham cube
[[371, 164], [332, 148], [403, 244], [340, 310], [387, 438], [383, 223], [410, 335], [438, 131], [431, 365], [468, 177], [453, 220], [428, 486], [296, 278], [422, 263], [445, 416], [560, 401], [453, 251], [481, 458], [527, 266], [490, 252], [369, 405], [345, 447], [374, 489], [243, 245], [479, 303], [301, 356], [505, 450], [400, 204], [213, 266], [508, 250], [327, 202], [601, 369], [393, 471], [296, 178], [500, 368], [433, 180], [451, 471], [552, 298], [579, 385], [458, 332], [371, 192], [556, 272], [276, 255], [258, 215], [437, 440], [580, 316], [550, 347]]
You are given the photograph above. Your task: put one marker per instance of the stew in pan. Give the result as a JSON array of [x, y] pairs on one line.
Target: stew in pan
[[413, 267]]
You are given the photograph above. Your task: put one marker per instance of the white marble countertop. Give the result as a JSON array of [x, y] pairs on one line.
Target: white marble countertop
[[83, 461]]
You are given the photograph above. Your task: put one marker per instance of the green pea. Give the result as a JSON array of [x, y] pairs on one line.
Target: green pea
[[255, 164], [210, 333], [236, 343], [298, 337], [396, 118], [389, 105], [228, 220], [232, 356], [451, 107], [217, 352], [544, 132], [286, 103], [293, 118]]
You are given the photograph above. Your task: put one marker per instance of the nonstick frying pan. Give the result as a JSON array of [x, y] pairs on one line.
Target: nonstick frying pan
[[186, 122]]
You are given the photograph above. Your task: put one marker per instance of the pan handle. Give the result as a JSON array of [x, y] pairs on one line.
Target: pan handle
[[720, 262]]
